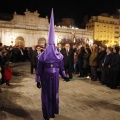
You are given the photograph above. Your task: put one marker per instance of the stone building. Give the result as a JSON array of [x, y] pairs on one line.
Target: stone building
[[30, 29]]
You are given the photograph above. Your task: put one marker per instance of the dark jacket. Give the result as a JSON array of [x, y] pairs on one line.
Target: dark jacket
[[31, 51], [86, 57], [34, 59], [107, 60], [101, 55], [115, 62], [80, 55], [68, 59]]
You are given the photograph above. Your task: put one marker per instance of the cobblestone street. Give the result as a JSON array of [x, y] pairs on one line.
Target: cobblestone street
[[80, 99]]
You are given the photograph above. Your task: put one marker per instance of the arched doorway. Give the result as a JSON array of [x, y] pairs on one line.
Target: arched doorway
[[19, 41], [42, 42]]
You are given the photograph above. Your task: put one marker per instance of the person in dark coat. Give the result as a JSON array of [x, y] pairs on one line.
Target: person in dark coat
[[59, 47], [68, 54], [15, 54], [21, 54], [114, 68], [4, 59], [101, 55], [50, 65], [36, 52], [86, 57], [80, 53], [31, 51], [105, 70]]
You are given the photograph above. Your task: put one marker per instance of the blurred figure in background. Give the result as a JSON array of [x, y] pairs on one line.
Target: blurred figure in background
[[68, 58], [4, 59], [114, 69], [101, 55], [80, 53], [59, 47], [86, 66], [31, 51], [105, 70], [7, 73], [94, 62]]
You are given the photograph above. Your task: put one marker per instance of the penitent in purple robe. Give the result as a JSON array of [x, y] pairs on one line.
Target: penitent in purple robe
[[48, 75], [50, 65]]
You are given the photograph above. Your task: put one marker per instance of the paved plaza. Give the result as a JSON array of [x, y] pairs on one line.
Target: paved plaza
[[80, 99]]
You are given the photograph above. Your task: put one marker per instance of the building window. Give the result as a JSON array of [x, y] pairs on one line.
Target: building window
[[116, 27]]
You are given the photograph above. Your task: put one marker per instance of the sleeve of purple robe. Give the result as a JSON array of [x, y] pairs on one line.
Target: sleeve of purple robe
[[62, 71], [38, 71]]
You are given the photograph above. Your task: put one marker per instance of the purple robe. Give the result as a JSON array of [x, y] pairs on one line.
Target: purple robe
[[48, 75]]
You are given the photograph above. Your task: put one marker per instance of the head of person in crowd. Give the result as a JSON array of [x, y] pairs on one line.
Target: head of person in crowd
[[33, 47], [103, 47], [38, 48], [116, 50], [67, 46], [94, 47], [59, 45], [74, 46], [4, 52], [109, 50]]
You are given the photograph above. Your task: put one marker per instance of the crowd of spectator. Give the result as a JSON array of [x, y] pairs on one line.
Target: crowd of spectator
[[100, 63], [16, 54]]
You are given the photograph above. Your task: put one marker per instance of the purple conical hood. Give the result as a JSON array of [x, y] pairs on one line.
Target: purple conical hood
[[51, 54], [51, 38]]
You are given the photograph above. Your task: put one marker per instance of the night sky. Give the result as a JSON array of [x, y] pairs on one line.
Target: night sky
[[76, 9]]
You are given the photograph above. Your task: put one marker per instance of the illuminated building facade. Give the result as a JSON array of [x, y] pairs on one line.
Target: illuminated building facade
[[30, 29], [105, 29]]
